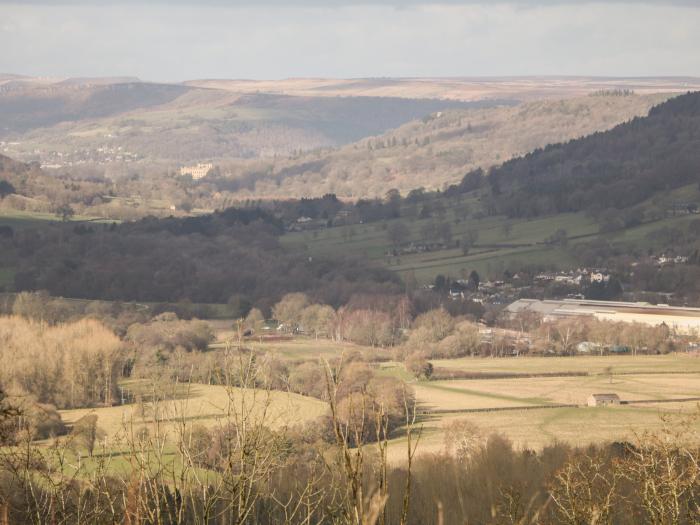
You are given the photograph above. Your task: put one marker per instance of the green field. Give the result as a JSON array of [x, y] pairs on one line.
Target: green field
[[536, 429], [23, 219], [7, 276], [498, 247], [494, 249], [208, 405]]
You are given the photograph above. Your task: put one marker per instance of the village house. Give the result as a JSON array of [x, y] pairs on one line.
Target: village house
[[663, 259], [598, 276], [307, 223]]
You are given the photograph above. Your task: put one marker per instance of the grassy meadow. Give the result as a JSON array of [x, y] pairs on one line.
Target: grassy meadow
[[208, 405], [638, 379], [673, 363], [18, 219], [536, 429], [501, 243], [633, 378]]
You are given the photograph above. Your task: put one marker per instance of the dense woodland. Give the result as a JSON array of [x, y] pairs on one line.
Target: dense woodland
[[435, 150], [611, 170], [210, 259]]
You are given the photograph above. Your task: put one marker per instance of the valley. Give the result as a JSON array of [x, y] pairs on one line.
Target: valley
[[312, 262]]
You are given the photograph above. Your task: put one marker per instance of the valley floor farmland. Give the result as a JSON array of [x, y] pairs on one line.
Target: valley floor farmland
[[528, 407], [207, 405], [528, 411]]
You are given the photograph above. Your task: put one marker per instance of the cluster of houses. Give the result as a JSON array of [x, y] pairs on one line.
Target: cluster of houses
[[666, 260], [577, 277], [682, 208], [505, 292], [62, 159], [488, 292]]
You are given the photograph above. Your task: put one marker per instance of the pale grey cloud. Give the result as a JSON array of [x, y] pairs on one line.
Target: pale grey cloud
[[274, 39]]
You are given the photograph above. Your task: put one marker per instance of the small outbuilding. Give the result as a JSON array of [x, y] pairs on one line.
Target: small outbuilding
[[602, 400]]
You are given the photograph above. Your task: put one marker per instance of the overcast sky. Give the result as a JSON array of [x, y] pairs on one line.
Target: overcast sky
[[187, 39]]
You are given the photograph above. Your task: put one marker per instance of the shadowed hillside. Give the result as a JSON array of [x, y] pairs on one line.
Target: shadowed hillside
[[612, 170], [25, 106]]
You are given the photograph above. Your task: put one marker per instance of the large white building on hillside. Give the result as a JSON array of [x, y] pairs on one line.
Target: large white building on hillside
[[683, 320], [198, 171]]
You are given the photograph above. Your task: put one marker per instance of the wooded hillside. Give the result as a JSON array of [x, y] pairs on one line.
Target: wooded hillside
[[615, 169]]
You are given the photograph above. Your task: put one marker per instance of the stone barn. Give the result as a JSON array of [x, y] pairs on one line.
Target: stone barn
[[602, 400]]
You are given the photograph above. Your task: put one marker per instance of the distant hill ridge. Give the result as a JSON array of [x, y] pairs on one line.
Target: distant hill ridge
[[27, 106], [440, 148]]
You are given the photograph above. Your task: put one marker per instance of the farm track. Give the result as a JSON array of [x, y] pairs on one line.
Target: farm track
[[542, 407], [496, 409]]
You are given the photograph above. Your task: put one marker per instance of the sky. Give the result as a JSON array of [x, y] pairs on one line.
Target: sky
[[177, 40]]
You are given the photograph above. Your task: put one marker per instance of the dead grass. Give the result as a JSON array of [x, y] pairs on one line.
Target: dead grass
[[309, 348], [206, 405], [464, 394], [591, 364], [643, 379], [536, 429]]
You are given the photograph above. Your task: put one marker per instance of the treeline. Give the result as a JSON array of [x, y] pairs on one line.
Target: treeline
[[211, 259], [67, 365], [438, 335], [597, 336]]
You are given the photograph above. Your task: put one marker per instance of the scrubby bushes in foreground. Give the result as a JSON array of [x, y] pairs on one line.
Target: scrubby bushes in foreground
[[243, 472]]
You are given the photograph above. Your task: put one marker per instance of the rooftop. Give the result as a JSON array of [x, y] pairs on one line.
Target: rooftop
[[572, 307]]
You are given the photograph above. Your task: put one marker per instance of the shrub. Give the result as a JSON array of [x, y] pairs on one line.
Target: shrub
[[419, 366]]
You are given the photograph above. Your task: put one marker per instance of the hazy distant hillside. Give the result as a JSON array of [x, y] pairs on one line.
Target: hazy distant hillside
[[10, 165], [305, 137], [25, 106], [441, 148], [79, 121], [466, 89]]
